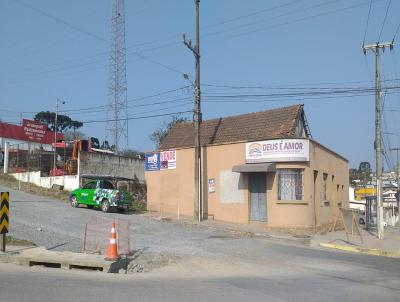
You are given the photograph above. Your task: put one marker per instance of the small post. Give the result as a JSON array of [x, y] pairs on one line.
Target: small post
[[4, 243], [6, 157]]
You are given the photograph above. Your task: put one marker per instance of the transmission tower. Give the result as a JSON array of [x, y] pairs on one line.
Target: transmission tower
[[117, 115]]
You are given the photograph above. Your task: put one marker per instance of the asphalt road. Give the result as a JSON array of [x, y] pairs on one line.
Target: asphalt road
[[212, 264], [267, 284]]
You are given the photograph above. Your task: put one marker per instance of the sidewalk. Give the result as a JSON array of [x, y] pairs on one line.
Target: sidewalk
[[388, 247], [290, 236]]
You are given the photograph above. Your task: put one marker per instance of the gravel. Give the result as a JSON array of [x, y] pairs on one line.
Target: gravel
[[58, 226]]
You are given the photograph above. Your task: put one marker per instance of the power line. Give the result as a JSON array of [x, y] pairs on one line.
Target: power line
[[298, 20], [366, 25], [395, 34], [269, 19], [139, 117], [42, 12], [384, 20]]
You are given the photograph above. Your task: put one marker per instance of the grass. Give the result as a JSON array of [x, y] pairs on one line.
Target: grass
[[138, 206], [17, 242]]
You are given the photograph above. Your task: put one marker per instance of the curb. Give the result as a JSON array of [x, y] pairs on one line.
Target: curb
[[64, 260], [363, 250]]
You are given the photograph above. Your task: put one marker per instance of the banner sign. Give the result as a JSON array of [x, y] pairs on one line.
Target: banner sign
[[278, 150], [29, 131], [168, 160], [34, 131], [152, 162]]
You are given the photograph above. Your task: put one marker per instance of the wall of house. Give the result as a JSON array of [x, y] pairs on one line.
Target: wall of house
[[169, 190], [108, 164], [230, 201], [310, 210], [172, 191]]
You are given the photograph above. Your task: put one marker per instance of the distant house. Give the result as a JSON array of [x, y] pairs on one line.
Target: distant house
[[260, 167]]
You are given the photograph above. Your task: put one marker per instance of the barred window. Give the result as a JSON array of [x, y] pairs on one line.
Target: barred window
[[325, 185], [290, 184]]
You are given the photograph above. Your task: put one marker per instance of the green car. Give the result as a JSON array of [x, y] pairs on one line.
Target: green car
[[100, 192]]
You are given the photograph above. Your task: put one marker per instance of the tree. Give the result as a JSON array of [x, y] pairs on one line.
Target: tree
[[64, 122], [159, 134], [70, 135], [133, 153]]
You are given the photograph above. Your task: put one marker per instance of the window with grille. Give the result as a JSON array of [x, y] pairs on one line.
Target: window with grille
[[290, 184]]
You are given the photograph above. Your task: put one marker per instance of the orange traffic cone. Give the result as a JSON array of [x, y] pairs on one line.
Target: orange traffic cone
[[112, 252]]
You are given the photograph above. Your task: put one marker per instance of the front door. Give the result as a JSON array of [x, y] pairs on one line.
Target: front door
[[258, 196]]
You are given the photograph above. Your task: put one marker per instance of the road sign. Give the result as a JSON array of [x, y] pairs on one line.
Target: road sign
[[4, 216], [4, 212]]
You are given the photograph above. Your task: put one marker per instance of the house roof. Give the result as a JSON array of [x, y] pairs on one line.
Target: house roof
[[263, 125]]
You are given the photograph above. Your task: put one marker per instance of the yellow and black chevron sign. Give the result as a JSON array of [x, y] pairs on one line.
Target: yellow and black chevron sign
[[4, 212]]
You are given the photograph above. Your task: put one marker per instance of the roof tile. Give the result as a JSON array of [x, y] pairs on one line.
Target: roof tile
[[268, 124]]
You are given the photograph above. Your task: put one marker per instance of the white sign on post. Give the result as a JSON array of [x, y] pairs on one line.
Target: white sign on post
[[278, 150]]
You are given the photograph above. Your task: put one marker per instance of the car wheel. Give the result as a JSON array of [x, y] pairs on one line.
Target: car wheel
[[105, 206], [74, 201]]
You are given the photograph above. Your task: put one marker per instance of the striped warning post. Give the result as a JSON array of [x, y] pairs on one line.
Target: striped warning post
[[5, 213]]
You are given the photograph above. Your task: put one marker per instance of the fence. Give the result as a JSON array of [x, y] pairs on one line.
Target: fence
[[97, 236], [26, 157]]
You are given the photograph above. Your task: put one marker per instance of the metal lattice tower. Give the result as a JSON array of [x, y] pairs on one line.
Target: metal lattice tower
[[117, 127]]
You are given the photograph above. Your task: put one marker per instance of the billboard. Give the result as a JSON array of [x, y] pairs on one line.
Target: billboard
[[278, 150]]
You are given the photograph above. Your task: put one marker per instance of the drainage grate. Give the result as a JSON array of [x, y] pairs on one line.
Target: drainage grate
[[87, 268], [45, 264]]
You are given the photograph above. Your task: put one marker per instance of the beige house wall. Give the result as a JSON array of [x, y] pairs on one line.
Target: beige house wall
[[171, 191]]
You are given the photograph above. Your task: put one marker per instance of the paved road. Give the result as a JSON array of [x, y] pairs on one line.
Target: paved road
[[270, 284], [214, 264]]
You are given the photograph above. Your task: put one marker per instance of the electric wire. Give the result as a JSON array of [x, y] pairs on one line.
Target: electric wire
[[44, 13], [366, 25], [384, 20]]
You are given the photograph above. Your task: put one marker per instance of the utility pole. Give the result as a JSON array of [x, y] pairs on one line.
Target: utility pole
[[197, 117], [397, 149], [55, 136], [378, 142]]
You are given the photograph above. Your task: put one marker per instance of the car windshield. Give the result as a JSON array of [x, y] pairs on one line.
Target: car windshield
[[90, 185], [107, 185]]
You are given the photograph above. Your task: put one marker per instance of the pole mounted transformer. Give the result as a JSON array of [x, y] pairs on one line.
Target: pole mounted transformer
[[117, 113]]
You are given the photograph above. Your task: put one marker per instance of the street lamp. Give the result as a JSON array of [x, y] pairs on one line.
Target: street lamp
[[58, 101]]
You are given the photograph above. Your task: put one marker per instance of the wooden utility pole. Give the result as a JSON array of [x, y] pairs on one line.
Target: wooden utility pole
[[197, 116], [378, 141]]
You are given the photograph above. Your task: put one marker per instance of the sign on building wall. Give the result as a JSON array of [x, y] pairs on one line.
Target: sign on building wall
[[211, 185], [279, 150], [168, 160], [152, 162], [165, 160]]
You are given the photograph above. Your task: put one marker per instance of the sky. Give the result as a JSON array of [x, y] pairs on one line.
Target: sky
[[255, 55]]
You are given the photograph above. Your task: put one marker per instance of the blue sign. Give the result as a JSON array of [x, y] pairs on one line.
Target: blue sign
[[152, 161]]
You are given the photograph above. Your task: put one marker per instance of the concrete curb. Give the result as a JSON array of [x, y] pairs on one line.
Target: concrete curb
[[64, 260], [363, 250]]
